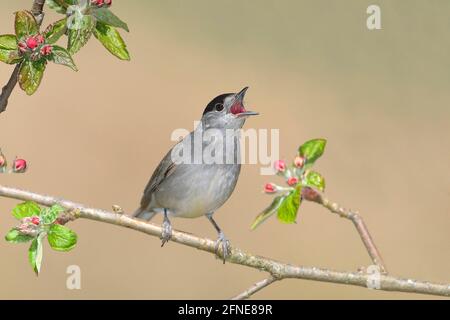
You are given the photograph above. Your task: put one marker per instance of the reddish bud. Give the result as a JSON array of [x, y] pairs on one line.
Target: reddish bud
[[26, 220], [23, 47], [32, 43], [20, 166], [46, 50], [270, 188], [98, 3], [280, 166], [3, 162], [292, 181], [108, 2], [40, 39], [35, 220], [299, 162]]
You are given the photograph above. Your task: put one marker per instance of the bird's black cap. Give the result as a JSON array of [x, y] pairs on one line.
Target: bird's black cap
[[217, 100]]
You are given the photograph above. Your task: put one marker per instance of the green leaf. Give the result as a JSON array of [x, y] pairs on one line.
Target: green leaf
[[26, 209], [8, 42], [111, 40], [313, 150], [287, 212], [58, 5], [30, 75], [61, 238], [315, 180], [25, 24], [14, 236], [10, 56], [55, 31], [268, 212], [62, 56], [49, 215], [80, 31], [35, 253], [108, 17], [8, 49]]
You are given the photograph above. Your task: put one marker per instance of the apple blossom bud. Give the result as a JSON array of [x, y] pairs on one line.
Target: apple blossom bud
[[270, 188], [40, 39], [299, 162], [23, 47], [19, 166], [35, 220], [292, 181], [23, 228], [46, 50], [32, 43], [3, 162], [26, 220], [280, 166]]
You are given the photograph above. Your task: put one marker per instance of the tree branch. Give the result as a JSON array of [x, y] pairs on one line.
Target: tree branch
[[311, 195], [255, 288], [38, 12], [275, 268]]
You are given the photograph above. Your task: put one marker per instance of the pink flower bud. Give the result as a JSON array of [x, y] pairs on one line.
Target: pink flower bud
[[26, 220], [20, 166], [270, 188], [35, 220], [32, 43], [299, 162], [40, 39], [23, 47], [292, 181], [108, 2], [280, 166], [23, 228], [98, 3], [3, 162], [46, 50]]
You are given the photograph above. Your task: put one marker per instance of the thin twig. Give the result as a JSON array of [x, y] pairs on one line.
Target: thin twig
[[312, 195], [275, 268], [38, 12], [255, 288]]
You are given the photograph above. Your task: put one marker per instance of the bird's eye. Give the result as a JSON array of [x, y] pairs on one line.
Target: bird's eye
[[219, 107]]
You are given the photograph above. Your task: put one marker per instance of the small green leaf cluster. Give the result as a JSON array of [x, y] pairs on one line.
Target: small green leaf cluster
[[33, 49], [298, 176], [36, 223], [93, 18]]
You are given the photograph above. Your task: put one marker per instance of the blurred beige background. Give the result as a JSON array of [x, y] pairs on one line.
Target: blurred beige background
[[380, 97]]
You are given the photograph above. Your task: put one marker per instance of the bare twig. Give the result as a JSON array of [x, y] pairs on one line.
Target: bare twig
[[38, 12], [312, 195], [255, 288], [275, 268]]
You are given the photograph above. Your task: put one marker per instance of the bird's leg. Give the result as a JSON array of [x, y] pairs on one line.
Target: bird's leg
[[222, 240], [166, 234]]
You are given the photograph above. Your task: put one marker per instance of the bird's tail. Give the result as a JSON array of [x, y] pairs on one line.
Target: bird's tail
[[144, 214]]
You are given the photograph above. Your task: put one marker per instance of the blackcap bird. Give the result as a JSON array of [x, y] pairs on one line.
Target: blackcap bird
[[197, 186]]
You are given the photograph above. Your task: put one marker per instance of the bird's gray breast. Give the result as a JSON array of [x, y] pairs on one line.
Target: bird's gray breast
[[193, 190]]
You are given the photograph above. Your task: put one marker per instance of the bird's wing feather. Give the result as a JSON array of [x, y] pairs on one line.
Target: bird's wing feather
[[165, 168]]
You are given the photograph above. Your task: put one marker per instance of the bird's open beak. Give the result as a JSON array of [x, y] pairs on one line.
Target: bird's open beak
[[238, 106]]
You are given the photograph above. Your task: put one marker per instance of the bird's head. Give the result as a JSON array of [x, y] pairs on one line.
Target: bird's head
[[227, 111]]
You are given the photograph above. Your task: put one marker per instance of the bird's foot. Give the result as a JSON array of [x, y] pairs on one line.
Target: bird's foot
[[166, 234], [224, 243]]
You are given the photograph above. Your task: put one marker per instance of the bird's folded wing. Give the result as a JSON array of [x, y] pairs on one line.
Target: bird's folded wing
[[165, 168]]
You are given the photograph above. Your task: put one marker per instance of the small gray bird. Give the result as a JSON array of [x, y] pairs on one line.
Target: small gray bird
[[192, 189]]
